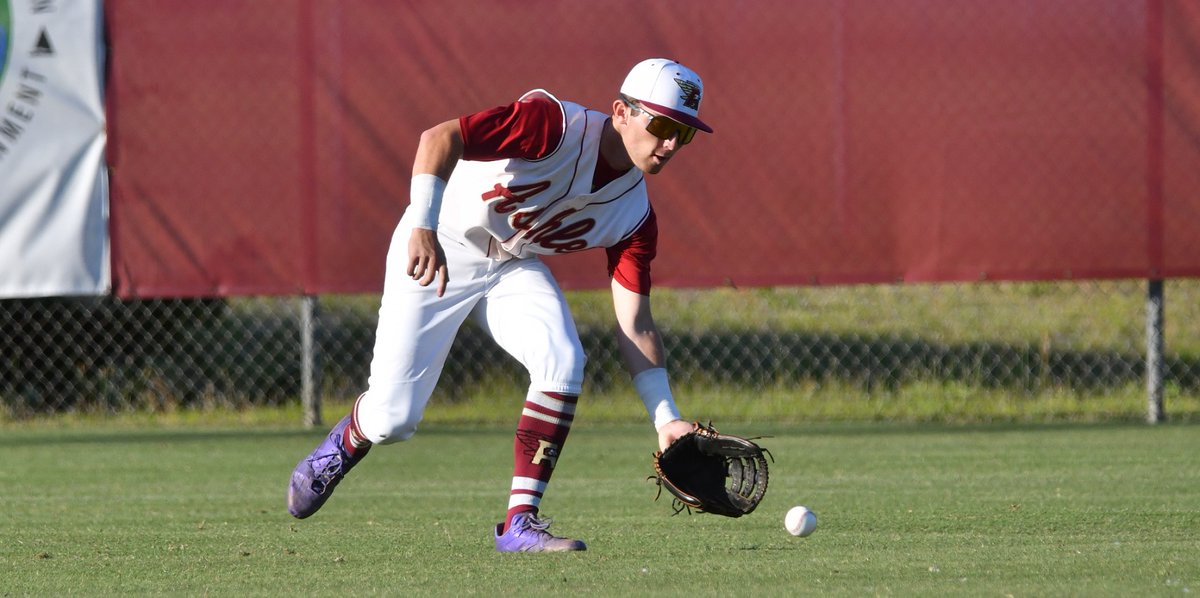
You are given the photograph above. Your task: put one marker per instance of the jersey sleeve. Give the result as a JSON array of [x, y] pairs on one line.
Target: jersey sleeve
[[629, 260], [528, 129]]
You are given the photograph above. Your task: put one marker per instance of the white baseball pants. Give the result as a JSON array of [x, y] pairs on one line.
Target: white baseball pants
[[516, 301]]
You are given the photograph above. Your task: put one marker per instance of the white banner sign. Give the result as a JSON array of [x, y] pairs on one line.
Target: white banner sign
[[53, 184]]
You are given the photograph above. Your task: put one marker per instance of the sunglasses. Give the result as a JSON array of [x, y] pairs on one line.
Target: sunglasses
[[663, 127]]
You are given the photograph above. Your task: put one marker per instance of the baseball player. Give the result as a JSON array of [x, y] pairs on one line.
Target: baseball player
[[491, 193]]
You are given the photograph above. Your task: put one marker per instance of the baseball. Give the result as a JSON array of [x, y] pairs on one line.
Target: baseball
[[800, 521]]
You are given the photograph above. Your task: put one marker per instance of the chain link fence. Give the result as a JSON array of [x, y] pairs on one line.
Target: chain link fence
[[103, 355]]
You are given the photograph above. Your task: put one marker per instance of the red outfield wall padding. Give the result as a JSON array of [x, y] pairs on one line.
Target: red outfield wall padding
[[266, 147]]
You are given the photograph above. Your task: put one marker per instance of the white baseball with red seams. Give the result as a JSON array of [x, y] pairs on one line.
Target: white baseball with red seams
[[800, 521]]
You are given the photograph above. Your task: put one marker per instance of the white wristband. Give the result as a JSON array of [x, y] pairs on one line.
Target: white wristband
[[654, 389], [425, 200]]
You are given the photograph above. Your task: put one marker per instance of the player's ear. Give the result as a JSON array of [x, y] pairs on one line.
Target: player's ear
[[620, 111]]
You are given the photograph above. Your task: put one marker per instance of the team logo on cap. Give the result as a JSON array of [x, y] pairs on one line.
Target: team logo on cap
[[691, 93]]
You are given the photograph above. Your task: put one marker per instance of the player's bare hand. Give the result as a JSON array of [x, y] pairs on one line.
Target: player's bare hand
[[673, 430], [427, 260]]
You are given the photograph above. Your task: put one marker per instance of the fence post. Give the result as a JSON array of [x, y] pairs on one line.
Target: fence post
[[1154, 352], [310, 371]]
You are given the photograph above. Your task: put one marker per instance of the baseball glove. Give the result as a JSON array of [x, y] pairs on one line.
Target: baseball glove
[[712, 472]]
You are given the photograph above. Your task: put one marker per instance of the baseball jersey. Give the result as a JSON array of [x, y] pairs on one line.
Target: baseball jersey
[[531, 182]]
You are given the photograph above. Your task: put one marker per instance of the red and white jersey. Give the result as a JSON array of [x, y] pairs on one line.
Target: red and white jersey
[[525, 187]]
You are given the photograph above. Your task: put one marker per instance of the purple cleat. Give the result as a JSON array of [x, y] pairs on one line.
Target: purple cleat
[[528, 534], [318, 474]]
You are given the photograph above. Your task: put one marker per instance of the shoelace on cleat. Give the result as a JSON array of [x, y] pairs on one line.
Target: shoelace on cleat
[[538, 524], [330, 472]]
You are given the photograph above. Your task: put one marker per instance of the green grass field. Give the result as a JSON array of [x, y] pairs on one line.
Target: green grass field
[[905, 509]]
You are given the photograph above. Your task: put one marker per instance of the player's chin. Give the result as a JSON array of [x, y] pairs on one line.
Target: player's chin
[[655, 164]]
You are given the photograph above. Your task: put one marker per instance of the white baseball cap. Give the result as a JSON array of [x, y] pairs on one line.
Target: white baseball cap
[[668, 88]]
